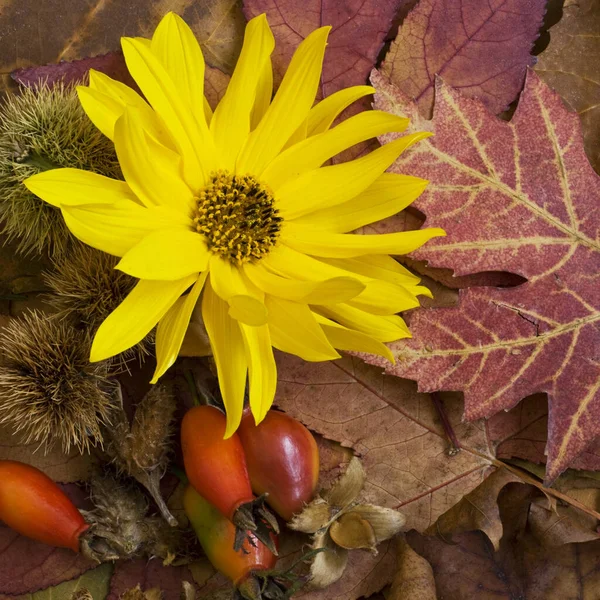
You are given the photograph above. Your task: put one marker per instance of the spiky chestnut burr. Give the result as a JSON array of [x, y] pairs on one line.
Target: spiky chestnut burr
[[42, 129], [85, 288], [49, 390], [141, 451]]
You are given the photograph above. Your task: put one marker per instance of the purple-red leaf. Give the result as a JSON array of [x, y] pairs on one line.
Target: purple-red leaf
[[148, 574], [359, 28], [27, 566], [482, 48], [518, 197]]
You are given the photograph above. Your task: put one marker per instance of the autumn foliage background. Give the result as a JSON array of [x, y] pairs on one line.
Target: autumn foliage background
[[494, 454]]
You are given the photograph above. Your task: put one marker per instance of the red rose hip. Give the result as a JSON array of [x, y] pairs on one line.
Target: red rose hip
[[32, 504], [283, 460]]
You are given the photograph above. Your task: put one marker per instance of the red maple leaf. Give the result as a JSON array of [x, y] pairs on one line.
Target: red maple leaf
[[518, 197]]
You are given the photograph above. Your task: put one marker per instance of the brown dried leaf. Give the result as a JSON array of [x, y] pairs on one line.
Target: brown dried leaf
[[37, 33], [65, 468], [563, 525], [395, 430], [469, 568], [351, 531], [414, 577], [571, 65], [477, 510]]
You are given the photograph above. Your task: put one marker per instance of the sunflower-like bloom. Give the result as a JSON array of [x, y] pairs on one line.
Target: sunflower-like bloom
[[235, 210]]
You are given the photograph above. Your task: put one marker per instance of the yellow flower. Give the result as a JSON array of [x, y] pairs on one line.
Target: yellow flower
[[235, 210]]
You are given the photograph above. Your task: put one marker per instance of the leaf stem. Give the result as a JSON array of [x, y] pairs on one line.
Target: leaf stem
[[448, 430]]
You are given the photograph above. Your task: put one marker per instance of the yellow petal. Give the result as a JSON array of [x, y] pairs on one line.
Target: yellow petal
[[295, 330], [230, 124], [314, 151], [328, 291], [118, 227], [166, 255], [192, 137], [264, 94], [229, 355], [72, 187], [176, 47], [351, 340], [386, 196], [262, 371], [382, 328], [105, 100], [378, 266], [325, 112], [151, 170], [329, 186], [134, 318], [172, 328], [290, 106], [244, 304], [343, 245], [384, 298], [102, 110]]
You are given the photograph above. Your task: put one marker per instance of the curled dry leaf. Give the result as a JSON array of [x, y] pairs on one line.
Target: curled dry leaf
[[477, 510], [522, 568], [486, 175]]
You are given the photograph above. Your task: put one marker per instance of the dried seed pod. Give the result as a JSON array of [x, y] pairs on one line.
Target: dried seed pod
[[386, 522], [49, 390], [136, 593], [120, 528], [339, 524], [85, 288], [82, 594], [314, 516], [352, 532], [142, 450], [42, 129], [345, 490], [188, 591], [329, 565]]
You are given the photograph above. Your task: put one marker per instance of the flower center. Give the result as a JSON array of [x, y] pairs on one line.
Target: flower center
[[237, 216]]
